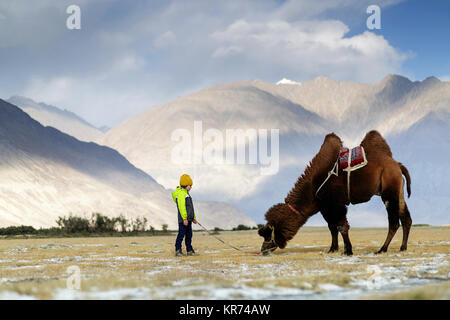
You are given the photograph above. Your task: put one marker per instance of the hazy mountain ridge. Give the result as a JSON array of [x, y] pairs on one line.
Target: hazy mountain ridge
[[45, 173], [63, 120], [19, 130], [353, 108], [146, 138], [304, 113], [26, 103]]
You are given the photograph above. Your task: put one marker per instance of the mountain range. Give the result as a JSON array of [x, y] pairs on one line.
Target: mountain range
[[45, 174], [63, 120], [413, 116]]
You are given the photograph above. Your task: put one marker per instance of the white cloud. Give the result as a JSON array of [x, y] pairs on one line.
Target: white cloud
[[159, 50], [164, 40], [310, 48], [93, 97], [227, 51], [116, 39], [33, 24], [307, 9], [129, 62], [53, 90]]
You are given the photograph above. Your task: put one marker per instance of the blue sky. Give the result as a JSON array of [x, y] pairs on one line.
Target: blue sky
[[131, 55], [422, 28]]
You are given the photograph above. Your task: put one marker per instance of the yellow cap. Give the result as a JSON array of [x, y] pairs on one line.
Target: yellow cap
[[185, 180]]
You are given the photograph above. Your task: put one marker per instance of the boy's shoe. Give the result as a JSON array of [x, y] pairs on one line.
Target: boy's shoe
[[192, 253], [179, 253]]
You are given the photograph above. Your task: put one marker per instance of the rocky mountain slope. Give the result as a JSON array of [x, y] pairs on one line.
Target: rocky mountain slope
[[45, 173], [404, 111], [63, 120]]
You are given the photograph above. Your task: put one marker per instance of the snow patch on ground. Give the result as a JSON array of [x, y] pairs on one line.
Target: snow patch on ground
[[10, 295]]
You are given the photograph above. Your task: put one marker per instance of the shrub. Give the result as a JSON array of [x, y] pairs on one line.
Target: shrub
[[14, 230], [241, 227], [139, 224], [77, 226], [100, 223], [73, 224], [123, 223]]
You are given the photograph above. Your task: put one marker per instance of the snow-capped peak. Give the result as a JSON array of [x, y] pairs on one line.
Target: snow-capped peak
[[287, 81]]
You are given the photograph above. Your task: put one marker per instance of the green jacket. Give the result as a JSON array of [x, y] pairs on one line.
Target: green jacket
[[184, 204]]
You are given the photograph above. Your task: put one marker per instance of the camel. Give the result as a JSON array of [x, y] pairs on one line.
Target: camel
[[382, 175]]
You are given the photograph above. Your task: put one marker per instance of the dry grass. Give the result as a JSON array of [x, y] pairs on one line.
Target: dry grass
[[145, 267], [428, 292]]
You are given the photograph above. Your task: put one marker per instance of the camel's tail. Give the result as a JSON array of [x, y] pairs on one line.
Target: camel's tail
[[408, 178]]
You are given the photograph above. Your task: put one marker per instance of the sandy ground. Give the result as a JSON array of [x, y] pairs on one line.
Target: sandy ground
[[145, 267]]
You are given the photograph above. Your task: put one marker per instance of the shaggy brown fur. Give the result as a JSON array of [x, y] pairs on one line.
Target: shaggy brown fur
[[382, 176]]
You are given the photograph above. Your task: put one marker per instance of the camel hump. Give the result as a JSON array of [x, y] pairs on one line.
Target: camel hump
[[329, 149], [333, 139], [375, 141]]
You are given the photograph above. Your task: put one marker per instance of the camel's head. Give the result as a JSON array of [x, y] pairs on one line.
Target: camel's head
[[281, 226], [269, 244]]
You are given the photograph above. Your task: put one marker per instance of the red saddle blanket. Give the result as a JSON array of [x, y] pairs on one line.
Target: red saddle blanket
[[357, 157]]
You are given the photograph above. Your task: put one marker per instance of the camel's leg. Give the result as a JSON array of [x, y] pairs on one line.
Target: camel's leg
[[392, 206], [332, 226], [332, 215], [343, 228], [405, 219], [334, 237]]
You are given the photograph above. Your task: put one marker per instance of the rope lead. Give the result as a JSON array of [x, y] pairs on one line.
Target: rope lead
[[226, 243]]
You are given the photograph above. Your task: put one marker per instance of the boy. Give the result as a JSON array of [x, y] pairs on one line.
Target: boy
[[186, 215]]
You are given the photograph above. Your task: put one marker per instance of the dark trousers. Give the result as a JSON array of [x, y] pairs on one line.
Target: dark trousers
[[184, 232]]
